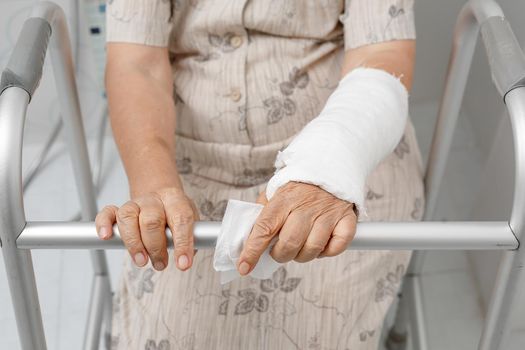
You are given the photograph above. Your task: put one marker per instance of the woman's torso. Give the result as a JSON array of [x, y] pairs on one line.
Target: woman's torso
[[246, 85]]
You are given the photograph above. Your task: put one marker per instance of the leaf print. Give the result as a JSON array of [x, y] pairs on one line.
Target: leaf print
[[274, 115], [184, 165], [262, 303], [223, 307], [275, 110], [371, 195], [417, 213], [254, 177], [388, 285], [243, 126], [164, 344], [214, 212], [290, 284], [289, 106], [206, 57], [313, 342], [267, 285], [363, 336], [224, 43], [393, 11], [279, 277], [146, 285], [272, 102], [188, 342], [248, 293], [244, 306], [402, 148], [299, 78], [286, 88], [215, 40]]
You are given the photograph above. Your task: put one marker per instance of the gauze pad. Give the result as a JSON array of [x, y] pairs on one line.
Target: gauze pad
[[362, 122], [237, 223]]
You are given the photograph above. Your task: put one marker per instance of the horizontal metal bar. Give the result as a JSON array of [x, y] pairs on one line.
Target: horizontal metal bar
[[483, 235]]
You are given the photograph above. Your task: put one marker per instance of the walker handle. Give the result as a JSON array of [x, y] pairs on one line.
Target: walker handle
[[24, 69]]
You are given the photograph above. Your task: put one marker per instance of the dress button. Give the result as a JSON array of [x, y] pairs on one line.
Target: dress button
[[236, 41], [235, 95]]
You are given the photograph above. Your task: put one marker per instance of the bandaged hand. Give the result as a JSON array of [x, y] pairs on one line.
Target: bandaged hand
[[320, 176], [308, 221]]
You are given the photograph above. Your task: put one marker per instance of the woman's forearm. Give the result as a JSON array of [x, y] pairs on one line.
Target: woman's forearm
[[395, 57], [140, 88]]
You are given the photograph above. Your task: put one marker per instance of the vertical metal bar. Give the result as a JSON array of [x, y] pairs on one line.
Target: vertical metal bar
[[511, 274], [63, 69], [18, 263], [464, 43]]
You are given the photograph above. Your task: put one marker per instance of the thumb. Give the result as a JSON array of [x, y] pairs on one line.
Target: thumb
[[261, 199]]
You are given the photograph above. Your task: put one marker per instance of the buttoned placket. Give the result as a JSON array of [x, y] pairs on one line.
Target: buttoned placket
[[235, 72]]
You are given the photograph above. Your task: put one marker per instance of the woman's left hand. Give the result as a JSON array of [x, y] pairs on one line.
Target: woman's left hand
[[309, 221]]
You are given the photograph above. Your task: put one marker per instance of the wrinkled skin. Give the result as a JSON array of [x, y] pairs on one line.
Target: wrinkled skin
[[142, 222], [310, 223]]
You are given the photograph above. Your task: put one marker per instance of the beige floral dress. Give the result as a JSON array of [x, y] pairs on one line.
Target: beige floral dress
[[248, 75]]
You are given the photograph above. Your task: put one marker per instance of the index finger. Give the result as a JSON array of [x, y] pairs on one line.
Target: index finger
[[267, 225]]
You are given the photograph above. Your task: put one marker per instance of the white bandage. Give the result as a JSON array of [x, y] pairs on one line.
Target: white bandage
[[361, 123]]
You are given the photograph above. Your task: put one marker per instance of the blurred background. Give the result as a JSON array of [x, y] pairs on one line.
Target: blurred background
[[478, 184]]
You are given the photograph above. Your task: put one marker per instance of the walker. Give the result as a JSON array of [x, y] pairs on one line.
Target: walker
[[47, 25]]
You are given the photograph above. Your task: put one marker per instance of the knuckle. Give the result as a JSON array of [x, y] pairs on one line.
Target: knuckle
[[151, 222], [313, 248], [290, 244], [303, 258], [109, 209], [263, 229], [182, 217], [339, 245], [127, 212], [279, 256], [132, 243], [250, 253]]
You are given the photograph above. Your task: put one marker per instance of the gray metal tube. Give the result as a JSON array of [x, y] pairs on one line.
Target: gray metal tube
[[417, 313], [64, 72], [483, 235], [18, 263], [506, 60], [98, 297], [471, 17], [510, 281], [464, 44], [24, 68]]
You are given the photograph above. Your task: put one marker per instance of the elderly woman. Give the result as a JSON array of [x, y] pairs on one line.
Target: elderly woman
[[203, 95]]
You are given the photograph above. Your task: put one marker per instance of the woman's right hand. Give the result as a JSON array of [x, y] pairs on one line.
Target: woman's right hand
[[142, 223]]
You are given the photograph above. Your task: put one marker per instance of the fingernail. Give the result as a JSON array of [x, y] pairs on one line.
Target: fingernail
[[103, 233], [159, 266], [140, 259], [183, 262], [244, 268]]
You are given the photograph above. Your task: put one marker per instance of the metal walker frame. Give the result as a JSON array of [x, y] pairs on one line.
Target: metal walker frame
[[18, 237]]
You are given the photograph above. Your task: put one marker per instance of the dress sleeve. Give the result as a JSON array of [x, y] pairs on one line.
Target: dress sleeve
[[373, 21], [139, 21]]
